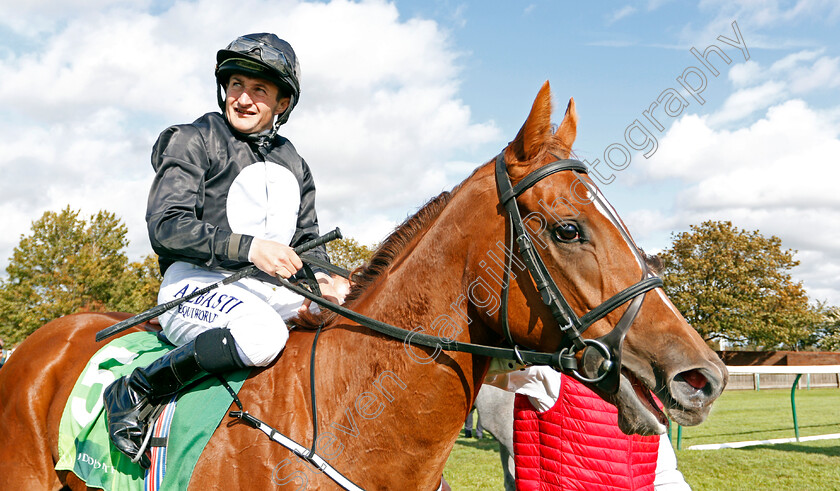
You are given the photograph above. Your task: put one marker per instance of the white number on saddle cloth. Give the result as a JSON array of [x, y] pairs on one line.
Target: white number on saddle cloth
[[94, 375]]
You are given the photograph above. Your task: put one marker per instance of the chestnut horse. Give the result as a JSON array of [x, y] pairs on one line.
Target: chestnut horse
[[388, 411]]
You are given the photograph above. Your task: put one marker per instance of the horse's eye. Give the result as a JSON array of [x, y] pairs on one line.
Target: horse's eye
[[567, 232]]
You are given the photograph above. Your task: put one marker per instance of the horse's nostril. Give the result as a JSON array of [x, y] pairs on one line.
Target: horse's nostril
[[695, 378]]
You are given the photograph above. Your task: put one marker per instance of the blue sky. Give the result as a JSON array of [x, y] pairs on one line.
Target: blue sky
[[403, 99]]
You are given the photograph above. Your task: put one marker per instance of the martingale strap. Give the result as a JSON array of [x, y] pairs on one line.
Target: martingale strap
[[312, 458], [308, 455]]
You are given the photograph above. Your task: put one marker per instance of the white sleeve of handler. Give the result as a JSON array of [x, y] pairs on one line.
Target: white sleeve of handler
[[540, 383], [668, 477]]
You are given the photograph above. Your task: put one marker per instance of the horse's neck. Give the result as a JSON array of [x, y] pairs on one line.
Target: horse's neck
[[382, 397], [415, 293]]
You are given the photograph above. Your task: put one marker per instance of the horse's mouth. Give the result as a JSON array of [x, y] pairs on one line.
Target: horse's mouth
[[637, 411]]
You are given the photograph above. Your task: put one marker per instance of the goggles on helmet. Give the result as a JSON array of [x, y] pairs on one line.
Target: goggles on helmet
[[268, 54]]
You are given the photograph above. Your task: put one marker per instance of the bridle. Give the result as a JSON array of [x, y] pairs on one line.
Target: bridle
[[601, 356], [604, 353]]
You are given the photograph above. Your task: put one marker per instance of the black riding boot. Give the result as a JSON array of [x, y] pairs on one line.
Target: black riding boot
[[129, 398]]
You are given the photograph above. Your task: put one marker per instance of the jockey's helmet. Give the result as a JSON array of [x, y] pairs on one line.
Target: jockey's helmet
[[262, 55]]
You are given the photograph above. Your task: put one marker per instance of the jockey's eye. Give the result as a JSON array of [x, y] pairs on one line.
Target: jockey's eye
[[567, 232]]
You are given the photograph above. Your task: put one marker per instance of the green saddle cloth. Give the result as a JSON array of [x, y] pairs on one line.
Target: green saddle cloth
[[83, 444]]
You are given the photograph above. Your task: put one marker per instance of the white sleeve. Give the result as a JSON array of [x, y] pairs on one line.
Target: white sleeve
[[668, 477], [540, 383]]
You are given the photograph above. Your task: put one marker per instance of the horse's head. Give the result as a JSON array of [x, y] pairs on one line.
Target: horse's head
[[604, 288]]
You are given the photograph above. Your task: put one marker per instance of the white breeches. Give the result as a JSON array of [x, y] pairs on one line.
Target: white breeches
[[253, 310]]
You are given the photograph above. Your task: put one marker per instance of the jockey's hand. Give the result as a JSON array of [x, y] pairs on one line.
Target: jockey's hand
[[333, 288], [274, 258]]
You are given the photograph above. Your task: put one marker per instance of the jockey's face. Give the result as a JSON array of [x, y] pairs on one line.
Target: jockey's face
[[251, 103]]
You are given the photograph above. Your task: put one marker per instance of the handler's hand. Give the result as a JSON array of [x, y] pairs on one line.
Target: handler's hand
[[274, 258]]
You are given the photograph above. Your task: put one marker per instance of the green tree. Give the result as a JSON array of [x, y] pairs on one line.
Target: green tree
[[68, 265], [735, 285], [826, 336], [138, 287], [348, 253]]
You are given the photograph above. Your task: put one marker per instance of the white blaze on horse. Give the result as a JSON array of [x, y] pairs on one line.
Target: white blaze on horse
[[389, 411]]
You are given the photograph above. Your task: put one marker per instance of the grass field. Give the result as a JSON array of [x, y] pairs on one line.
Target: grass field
[[737, 416], [474, 464], [760, 415]]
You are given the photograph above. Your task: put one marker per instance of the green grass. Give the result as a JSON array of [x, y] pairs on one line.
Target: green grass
[[762, 415], [786, 466], [474, 464], [736, 416]]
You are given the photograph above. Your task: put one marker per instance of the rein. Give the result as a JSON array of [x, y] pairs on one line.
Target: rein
[[608, 347], [603, 353]]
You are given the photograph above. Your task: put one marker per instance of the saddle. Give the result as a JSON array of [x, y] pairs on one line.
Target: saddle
[[85, 449]]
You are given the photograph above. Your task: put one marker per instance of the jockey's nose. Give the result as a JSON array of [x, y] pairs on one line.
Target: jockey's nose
[[244, 99]]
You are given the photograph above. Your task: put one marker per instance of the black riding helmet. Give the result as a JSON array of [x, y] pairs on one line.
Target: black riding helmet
[[261, 55]]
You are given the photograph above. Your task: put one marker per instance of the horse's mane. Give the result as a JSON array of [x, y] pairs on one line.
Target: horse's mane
[[363, 276]]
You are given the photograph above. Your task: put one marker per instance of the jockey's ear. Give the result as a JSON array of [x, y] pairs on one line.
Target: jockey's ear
[[567, 131], [535, 132]]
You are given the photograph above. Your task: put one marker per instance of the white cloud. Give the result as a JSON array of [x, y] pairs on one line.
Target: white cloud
[[800, 72], [379, 119], [621, 13], [746, 73], [771, 13], [792, 61], [747, 101], [761, 21], [823, 74], [760, 87], [777, 175], [35, 17]]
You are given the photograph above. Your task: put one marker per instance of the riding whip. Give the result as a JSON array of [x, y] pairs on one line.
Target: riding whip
[[242, 273]]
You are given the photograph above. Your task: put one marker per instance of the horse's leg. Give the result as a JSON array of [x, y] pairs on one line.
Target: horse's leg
[[34, 387], [496, 409], [71, 481], [508, 467], [27, 386]]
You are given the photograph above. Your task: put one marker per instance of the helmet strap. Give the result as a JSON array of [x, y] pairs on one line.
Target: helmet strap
[[220, 97]]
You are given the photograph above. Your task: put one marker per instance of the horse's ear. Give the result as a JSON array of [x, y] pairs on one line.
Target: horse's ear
[[536, 130], [567, 131]]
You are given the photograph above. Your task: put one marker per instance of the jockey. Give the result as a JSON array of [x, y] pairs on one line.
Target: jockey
[[228, 191]]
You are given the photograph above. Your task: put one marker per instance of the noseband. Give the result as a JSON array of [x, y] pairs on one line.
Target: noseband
[[602, 355]]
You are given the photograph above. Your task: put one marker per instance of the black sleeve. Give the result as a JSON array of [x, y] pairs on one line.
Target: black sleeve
[[176, 203], [307, 224]]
